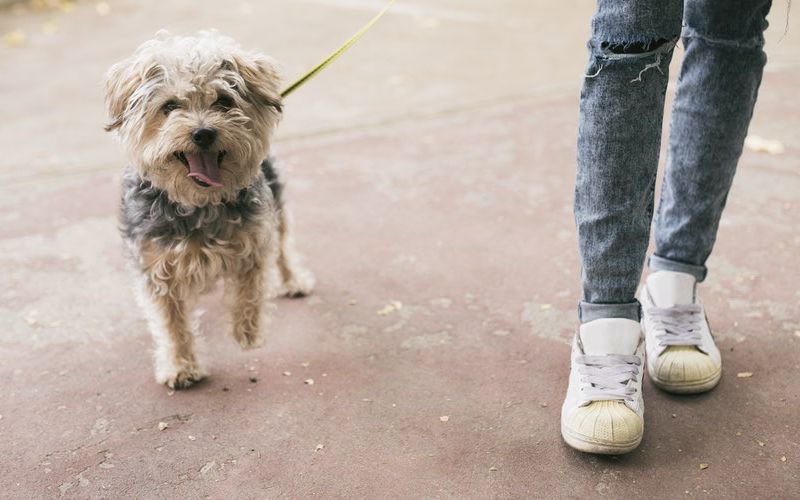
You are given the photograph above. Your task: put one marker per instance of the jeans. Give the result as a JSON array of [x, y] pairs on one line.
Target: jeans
[[619, 136]]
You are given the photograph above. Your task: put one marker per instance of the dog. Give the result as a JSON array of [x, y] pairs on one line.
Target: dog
[[202, 199]]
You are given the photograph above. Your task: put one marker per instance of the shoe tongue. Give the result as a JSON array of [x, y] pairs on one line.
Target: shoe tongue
[[668, 288], [205, 167], [610, 336]]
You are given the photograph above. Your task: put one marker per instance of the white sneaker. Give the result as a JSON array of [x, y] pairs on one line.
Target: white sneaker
[[681, 354], [603, 410]]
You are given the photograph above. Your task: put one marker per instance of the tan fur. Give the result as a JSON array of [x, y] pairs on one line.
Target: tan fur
[[297, 281], [193, 71]]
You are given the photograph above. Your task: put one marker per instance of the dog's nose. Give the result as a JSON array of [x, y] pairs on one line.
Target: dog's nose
[[204, 137]]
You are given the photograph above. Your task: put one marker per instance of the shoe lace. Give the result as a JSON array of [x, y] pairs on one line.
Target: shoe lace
[[677, 325], [607, 378]]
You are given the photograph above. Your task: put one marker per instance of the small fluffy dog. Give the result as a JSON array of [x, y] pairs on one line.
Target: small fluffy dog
[[199, 200]]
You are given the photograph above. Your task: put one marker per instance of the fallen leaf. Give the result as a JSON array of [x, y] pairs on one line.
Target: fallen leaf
[[392, 306], [66, 5], [207, 467], [744, 374], [703, 466], [38, 5], [761, 145]]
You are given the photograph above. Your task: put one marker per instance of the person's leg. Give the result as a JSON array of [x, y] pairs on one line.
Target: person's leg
[[717, 88], [716, 93], [621, 113]]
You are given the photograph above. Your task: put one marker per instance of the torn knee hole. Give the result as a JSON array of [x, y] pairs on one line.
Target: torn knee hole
[[634, 48]]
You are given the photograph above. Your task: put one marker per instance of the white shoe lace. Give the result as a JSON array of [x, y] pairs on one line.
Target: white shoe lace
[[607, 378], [677, 325]]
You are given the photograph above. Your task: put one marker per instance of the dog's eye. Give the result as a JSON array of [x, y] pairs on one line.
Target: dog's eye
[[169, 107], [223, 102]]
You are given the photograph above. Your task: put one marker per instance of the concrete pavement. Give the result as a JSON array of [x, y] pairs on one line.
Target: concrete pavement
[[431, 168]]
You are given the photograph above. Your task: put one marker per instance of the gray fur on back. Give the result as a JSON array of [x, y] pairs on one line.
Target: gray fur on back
[[147, 213]]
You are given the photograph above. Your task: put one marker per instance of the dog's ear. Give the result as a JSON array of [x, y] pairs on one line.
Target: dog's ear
[[122, 81], [260, 76]]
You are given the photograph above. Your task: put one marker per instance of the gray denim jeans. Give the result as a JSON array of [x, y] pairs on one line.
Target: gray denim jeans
[[621, 113]]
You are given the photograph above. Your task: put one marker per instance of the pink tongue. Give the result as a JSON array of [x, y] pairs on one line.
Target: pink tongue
[[204, 166]]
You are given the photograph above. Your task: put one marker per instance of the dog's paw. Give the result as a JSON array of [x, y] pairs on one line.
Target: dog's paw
[[182, 377], [300, 285], [248, 338]]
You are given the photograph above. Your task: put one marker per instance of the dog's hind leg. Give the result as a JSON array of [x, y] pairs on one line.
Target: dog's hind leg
[[296, 280], [166, 311]]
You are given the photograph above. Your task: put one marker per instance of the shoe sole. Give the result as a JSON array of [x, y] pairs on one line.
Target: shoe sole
[[694, 387], [598, 447]]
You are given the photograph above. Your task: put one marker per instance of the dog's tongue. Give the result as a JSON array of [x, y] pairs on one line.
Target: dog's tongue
[[204, 166]]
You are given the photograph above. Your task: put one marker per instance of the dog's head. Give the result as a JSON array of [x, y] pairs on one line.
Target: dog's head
[[195, 114]]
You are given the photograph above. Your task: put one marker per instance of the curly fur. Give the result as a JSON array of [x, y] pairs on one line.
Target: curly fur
[[183, 236]]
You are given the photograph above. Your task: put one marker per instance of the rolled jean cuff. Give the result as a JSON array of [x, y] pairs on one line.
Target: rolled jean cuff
[[657, 263], [589, 311]]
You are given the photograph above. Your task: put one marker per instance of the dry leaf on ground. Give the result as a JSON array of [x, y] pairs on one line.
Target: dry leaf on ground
[[392, 306], [14, 38], [761, 145]]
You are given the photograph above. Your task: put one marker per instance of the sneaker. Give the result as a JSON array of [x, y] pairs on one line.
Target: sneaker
[[681, 355], [603, 410]]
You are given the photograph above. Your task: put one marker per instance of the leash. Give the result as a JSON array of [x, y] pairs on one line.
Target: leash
[[338, 52]]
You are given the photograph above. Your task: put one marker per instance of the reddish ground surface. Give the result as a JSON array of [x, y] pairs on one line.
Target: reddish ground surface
[[431, 168]]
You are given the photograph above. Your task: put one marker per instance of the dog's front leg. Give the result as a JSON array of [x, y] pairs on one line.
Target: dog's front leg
[[247, 288], [167, 315]]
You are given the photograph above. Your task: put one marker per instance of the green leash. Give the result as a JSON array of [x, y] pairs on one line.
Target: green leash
[[338, 52]]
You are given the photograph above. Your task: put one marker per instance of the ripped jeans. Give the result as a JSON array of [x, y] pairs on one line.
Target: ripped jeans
[[619, 138]]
